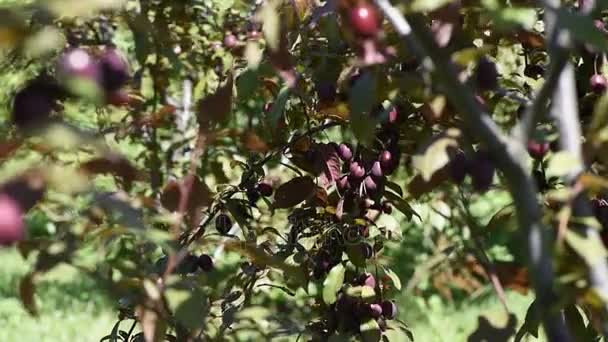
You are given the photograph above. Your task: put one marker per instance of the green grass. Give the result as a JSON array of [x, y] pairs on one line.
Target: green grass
[[71, 307], [441, 322]]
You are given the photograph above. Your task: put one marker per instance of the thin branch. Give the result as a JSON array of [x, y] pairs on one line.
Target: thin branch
[[511, 163], [539, 107]]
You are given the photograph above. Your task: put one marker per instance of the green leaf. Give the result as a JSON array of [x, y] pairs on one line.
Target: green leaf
[[576, 323], [401, 205], [591, 250], [370, 331], [253, 55], [278, 107], [513, 16], [247, 83], [78, 8], [394, 278], [428, 5], [333, 283], [469, 55], [531, 323], [597, 130], [368, 294], [396, 188], [362, 100], [397, 335], [188, 306], [355, 255], [271, 27], [509, 17], [582, 28], [561, 164], [434, 155]]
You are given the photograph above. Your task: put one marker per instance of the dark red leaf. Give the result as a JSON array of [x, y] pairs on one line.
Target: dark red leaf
[[113, 164], [332, 164], [216, 107], [252, 142], [294, 192], [7, 148], [199, 197]]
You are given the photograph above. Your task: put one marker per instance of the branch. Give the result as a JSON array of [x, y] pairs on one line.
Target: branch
[[511, 163], [565, 114]]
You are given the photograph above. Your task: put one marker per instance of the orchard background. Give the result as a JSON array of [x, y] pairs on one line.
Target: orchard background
[[301, 170]]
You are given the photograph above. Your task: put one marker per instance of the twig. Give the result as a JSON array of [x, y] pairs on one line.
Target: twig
[[539, 107], [488, 266]]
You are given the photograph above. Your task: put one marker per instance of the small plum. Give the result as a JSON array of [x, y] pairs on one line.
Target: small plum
[[377, 170], [486, 75], [33, 104], [387, 208], [356, 171], [367, 250], [230, 41], [188, 265], [342, 183], [482, 171], [375, 310], [78, 63], [205, 262], [458, 167], [365, 19], [598, 83], [115, 70], [386, 159], [538, 150], [370, 185], [223, 223], [389, 309], [344, 152], [367, 279], [265, 189], [12, 226]]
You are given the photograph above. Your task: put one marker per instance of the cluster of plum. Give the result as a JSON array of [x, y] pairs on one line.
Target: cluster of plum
[[352, 308], [254, 192], [364, 173], [190, 264], [233, 39], [108, 70], [479, 166], [350, 239]]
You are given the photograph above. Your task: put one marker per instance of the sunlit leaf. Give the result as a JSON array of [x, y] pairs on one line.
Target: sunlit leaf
[[333, 283], [370, 331], [435, 155]]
